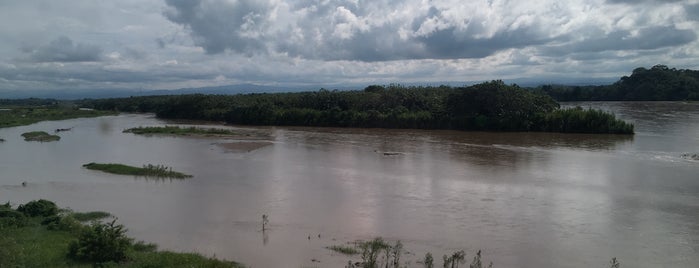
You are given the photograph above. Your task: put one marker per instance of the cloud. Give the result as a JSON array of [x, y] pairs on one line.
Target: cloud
[[217, 25], [692, 11], [386, 30], [640, 1], [648, 38], [345, 30], [135, 44], [62, 49]]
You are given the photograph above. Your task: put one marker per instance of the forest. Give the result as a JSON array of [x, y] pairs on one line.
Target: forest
[[659, 83], [490, 106]]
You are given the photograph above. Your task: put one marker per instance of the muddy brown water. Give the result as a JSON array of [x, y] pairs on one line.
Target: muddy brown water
[[525, 199]]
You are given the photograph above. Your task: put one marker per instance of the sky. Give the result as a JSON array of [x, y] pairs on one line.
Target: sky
[[169, 44]]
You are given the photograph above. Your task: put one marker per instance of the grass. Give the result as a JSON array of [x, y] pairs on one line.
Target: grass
[[36, 244], [40, 136], [20, 116], [180, 131], [347, 250], [149, 170]]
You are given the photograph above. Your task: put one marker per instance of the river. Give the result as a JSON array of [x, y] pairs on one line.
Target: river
[[524, 199]]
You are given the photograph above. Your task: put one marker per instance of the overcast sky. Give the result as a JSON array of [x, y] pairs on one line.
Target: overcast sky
[[139, 44]]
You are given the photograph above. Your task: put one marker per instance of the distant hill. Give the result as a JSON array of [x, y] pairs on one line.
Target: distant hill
[[659, 83], [74, 94]]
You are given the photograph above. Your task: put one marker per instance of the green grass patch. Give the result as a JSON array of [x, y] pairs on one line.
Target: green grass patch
[[347, 250], [40, 243], [40, 136], [158, 171], [181, 131], [20, 116]]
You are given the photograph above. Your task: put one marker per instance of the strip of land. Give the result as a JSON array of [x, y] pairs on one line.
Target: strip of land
[[197, 132], [157, 171], [20, 116], [40, 136]]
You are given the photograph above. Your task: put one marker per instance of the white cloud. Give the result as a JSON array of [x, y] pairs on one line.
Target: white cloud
[[152, 44]]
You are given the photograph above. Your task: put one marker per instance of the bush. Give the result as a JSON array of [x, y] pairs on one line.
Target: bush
[[11, 218], [64, 223], [41, 207], [101, 242]]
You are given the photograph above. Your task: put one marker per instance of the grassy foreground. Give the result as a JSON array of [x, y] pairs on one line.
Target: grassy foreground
[[38, 234], [41, 136], [146, 171], [180, 131], [19, 116]]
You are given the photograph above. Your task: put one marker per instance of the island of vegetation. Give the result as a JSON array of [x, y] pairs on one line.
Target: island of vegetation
[[181, 131], [38, 234], [659, 83], [155, 171], [490, 106], [29, 111], [40, 136]]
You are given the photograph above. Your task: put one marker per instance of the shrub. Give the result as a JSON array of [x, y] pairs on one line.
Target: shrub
[[11, 218], [101, 242], [64, 223], [41, 207]]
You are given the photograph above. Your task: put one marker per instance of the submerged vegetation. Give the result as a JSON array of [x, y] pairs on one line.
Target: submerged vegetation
[[491, 106], [40, 136], [183, 131], [148, 170], [379, 253], [41, 235]]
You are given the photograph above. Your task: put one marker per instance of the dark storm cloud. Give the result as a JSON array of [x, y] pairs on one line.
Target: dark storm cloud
[[63, 49], [649, 38], [692, 12], [218, 25], [446, 44]]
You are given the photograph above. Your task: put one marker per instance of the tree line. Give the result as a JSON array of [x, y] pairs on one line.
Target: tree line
[[659, 83], [491, 106]]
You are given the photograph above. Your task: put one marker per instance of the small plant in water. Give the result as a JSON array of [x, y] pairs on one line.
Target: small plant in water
[[454, 260], [265, 221], [477, 263], [614, 263], [429, 261]]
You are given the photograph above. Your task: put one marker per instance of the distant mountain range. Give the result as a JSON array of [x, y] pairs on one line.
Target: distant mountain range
[[253, 88]]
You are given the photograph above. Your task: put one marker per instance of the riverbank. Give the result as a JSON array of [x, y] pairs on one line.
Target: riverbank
[[20, 116], [38, 234]]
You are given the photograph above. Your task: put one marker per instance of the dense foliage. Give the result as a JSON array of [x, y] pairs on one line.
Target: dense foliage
[[658, 83], [487, 106], [41, 207], [101, 242]]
